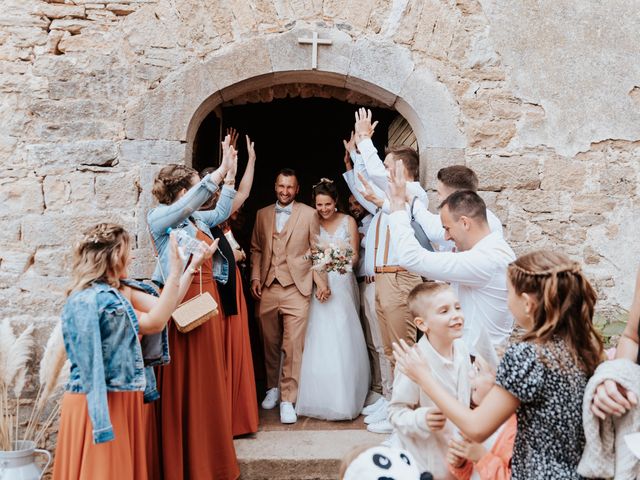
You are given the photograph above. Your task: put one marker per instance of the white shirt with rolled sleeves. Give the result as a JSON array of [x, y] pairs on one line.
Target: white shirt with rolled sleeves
[[479, 275]]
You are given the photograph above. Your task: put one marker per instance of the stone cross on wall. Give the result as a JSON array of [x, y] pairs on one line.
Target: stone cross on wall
[[314, 42]]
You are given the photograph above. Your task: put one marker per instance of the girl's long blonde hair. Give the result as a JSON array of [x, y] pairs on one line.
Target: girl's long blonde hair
[[100, 255], [564, 307]]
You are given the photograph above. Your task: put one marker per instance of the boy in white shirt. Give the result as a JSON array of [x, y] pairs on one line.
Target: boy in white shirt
[[419, 427]]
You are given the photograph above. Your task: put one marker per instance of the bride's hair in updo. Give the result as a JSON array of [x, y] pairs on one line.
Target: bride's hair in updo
[[326, 186], [170, 180]]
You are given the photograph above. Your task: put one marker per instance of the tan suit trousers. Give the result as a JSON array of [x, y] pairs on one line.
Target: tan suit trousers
[[381, 375], [283, 317], [395, 320]]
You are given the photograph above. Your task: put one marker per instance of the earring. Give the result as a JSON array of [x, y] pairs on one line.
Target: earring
[[335, 209]]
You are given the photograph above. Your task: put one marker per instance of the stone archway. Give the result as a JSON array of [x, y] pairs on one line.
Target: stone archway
[[166, 120]]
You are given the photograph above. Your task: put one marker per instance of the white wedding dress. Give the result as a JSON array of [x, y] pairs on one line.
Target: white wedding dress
[[334, 377]]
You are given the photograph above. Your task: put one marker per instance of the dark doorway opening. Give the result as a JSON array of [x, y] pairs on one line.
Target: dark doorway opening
[[301, 133]]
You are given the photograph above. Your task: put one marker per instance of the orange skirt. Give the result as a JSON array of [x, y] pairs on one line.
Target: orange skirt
[[241, 383], [193, 419], [78, 458]]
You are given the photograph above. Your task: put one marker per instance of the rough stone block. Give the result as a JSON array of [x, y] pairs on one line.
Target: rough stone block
[[117, 190], [561, 173], [21, 195], [379, 65], [73, 26], [151, 152], [499, 173], [430, 109], [97, 152], [288, 54], [15, 260], [60, 10]]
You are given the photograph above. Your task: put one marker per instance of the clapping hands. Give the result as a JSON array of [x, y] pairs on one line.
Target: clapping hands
[[411, 361]]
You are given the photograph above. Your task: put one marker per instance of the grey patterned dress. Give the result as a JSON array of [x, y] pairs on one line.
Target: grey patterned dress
[[550, 387]]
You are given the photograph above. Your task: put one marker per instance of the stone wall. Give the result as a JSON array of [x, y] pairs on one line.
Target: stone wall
[[539, 97]]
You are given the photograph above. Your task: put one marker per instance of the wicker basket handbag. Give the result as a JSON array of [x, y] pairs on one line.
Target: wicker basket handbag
[[195, 311]]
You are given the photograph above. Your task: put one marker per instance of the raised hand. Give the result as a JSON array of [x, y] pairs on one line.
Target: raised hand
[[411, 361], [364, 128], [369, 193], [397, 187], [350, 145], [233, 134], [250, 149]]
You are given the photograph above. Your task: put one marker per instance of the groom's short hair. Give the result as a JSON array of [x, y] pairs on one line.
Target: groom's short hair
[[287, 172], [466, 203]]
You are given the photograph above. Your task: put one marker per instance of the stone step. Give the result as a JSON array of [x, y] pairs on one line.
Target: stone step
[[298, 454]]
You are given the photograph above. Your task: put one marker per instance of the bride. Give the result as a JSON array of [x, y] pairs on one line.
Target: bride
[[334, 377]]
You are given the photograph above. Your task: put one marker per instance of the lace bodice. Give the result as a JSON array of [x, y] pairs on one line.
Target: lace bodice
[[341, 233]]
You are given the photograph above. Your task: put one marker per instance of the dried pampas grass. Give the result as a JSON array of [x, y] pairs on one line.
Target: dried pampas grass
[[15, 354]]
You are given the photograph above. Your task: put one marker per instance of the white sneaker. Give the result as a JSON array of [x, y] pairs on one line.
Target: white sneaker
[[382, 426], [287, 413], [271, 399], [377, 416], [373, 408]]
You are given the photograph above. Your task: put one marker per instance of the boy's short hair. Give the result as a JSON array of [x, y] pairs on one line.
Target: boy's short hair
[[422, 291], [409, 157], [459, 177]]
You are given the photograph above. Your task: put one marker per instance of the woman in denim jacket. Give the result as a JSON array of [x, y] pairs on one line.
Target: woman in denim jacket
[[194, 439], [102, 433]]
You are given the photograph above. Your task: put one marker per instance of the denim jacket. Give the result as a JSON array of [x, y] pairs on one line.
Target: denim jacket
[[177, 215], [100, 331]]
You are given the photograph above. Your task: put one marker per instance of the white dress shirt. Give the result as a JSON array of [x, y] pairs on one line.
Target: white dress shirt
[[431, 223], [377, 173], [409, 407], [364, 164], [282, 217], [363, 228], [479, 276]]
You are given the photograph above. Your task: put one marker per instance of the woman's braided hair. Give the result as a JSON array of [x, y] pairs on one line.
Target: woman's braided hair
[[565, 304], [170, 180]]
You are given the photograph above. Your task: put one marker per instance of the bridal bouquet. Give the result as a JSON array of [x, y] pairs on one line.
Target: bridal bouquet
[[332, 257]]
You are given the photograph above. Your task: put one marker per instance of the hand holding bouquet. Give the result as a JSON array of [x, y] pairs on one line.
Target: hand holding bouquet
[[334, 256]]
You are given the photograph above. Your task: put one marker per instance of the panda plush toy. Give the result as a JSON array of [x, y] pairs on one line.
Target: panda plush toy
[[384, 463]]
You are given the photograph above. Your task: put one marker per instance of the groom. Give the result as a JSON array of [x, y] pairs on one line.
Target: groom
[[282, 280]]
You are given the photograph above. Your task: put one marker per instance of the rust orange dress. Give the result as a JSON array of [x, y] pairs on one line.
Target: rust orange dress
[[78, 458], [192, 416], [241, 382]]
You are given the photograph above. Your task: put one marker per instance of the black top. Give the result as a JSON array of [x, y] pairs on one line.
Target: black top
[[227, 290], [550, 386]]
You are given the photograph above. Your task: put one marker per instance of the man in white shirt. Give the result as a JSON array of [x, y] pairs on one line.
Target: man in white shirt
[[381, 373], [450, 180], [392, 281], [477, 270]]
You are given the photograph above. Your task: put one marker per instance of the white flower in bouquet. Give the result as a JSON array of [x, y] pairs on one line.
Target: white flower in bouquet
[[332, 257]]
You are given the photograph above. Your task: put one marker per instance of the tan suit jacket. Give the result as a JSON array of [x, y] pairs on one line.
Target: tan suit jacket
[[301, 232]]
